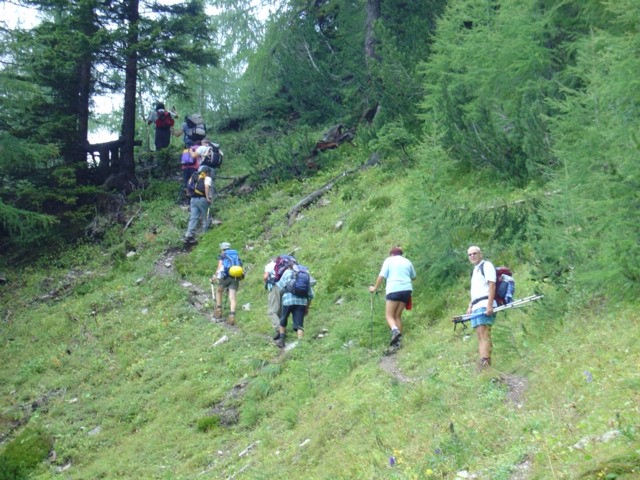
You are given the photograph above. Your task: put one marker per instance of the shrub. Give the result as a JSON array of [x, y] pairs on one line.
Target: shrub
[[24, 453], [208, 423]]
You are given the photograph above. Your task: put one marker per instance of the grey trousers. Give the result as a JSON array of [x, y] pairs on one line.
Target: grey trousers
[[273, 306]]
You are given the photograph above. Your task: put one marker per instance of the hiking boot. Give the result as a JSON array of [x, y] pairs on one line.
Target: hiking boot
[[280, 341], [190, 240], [395, 336], [484, 363], [217, 313], [276, 336], [231, 319]]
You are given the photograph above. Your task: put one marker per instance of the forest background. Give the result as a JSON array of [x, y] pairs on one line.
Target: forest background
[[512, 125]]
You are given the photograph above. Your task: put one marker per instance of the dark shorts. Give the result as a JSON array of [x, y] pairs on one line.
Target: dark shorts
[[230, 283], [163, 138], [297, 312], [404, 296]]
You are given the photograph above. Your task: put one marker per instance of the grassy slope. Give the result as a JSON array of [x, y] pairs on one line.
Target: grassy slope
[[136, 358]]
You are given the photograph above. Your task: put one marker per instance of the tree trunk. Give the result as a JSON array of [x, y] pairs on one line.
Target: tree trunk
[[127, 166], [373, 14]]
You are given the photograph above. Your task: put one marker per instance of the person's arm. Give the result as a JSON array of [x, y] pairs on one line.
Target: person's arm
[[492, 295], [207, 189], [374, 288], [216, 275], [284, 280]]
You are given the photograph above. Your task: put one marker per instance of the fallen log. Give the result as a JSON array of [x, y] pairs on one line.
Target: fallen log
[[309, 199]]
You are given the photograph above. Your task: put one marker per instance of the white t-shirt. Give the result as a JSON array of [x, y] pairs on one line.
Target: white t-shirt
[[399, 272], [270, 269], [480, 285]]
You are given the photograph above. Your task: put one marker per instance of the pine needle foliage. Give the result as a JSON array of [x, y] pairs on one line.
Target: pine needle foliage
[[595, 215], [486, 85]]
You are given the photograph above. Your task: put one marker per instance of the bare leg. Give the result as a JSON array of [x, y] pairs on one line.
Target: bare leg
[[390, 313], [397, 314], [484, 341], [232, 300]]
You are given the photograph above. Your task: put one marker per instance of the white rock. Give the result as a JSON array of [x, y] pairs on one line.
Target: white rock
[[130, 254], [221, 340]]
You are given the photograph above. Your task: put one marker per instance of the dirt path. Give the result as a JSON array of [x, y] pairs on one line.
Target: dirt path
[[389, 363]]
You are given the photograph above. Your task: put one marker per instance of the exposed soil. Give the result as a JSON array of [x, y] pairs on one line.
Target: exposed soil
[[516, 388], [389, 363], [522, 470], [226, 409]]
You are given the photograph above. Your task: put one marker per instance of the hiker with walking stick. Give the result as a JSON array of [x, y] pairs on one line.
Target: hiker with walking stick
[[228, 275], [398, 272]]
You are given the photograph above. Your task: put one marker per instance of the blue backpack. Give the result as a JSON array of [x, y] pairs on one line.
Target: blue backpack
[[230, 259], [300, 282]]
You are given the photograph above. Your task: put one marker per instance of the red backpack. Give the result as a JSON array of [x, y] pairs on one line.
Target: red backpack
[[505, 284], [164, 119], [282, 263]]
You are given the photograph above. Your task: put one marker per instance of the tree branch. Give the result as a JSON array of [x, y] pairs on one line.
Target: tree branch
[[306, 201]]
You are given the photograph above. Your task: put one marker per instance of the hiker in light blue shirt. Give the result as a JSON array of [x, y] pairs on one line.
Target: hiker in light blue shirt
[[398, 272]]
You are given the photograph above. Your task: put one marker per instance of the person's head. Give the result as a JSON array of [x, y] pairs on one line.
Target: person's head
[[395, 251], [159, 106], [475, 254], [225, 246], [206, 169]]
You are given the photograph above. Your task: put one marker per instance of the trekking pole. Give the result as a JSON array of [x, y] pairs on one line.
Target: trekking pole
[[515, 304], [371, 323], [207, 221], [213, 296]]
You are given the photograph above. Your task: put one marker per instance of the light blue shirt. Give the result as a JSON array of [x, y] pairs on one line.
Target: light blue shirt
[[398, 272], [289, 298]]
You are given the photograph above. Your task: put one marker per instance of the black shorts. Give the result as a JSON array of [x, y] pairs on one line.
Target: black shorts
[[403, 296]]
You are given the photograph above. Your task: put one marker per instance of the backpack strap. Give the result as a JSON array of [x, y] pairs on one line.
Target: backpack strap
[[486, 297]]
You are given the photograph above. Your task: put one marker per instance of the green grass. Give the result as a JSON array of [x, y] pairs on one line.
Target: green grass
[[122, 347]]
